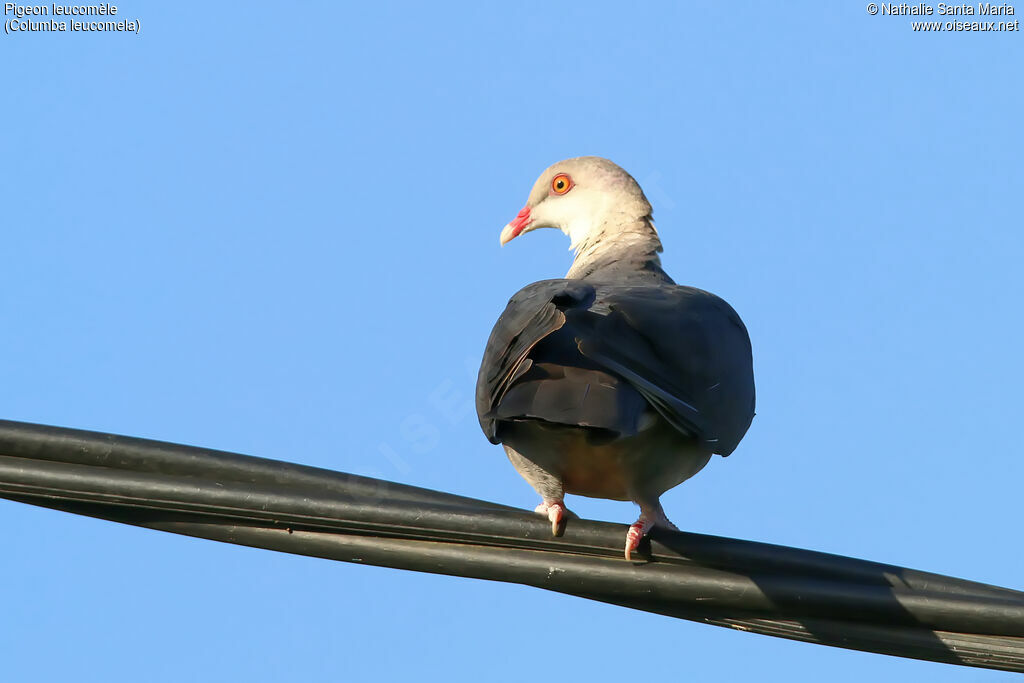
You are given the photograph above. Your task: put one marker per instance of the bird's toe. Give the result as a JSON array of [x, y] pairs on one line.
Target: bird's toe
[[651, 516], [556, 512], [637, 530]]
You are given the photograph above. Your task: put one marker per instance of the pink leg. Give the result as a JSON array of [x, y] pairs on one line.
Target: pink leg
[[650, 517], [555, 511]]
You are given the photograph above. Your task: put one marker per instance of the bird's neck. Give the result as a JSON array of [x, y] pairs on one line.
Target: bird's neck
[[620, 253]]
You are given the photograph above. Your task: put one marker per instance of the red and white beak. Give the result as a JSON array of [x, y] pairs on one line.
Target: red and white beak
[[516, 226]]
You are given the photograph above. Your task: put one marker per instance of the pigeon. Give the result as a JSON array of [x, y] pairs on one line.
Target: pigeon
[[612, 382]]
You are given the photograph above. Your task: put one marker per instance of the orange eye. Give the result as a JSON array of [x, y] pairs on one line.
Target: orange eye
[[561, 184]]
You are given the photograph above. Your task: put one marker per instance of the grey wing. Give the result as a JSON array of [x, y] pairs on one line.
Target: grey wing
[[531, 315], [685, 350], [597, 356]]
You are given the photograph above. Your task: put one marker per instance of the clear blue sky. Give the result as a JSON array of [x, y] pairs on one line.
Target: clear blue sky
[[275, 231]]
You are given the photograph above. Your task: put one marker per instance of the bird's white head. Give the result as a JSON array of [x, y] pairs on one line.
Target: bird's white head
[[588, 198]]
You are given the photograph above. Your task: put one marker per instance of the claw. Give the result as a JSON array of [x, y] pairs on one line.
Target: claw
[[650, 517], [555, 512], [636, 532]]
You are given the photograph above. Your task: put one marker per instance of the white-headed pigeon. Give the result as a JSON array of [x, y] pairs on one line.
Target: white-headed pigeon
[[613, 382]]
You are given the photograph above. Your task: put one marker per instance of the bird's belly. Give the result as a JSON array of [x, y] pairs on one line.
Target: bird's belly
[[648, 463], [595, 472]]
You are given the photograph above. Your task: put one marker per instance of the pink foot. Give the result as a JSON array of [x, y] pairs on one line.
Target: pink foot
[[649, 518], [557, 513]]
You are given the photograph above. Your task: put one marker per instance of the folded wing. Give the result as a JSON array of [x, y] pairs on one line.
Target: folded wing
[[594, 355]]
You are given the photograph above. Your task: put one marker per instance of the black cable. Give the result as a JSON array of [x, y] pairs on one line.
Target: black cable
[[768, 589]]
